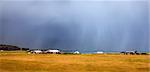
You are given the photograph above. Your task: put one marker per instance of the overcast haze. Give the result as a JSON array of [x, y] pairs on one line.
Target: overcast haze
[[78, 25]]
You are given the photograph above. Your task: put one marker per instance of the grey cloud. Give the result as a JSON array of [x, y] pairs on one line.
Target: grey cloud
[[81, 25]]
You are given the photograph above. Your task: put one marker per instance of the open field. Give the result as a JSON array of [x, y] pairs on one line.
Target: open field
[[23, 62]]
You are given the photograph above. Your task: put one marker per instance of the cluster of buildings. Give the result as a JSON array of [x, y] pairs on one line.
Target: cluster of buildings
[[50, 51], [133, 53]]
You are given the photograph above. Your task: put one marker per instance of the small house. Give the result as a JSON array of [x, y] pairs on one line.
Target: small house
[[100, 52], [53, 51], [76, 52]]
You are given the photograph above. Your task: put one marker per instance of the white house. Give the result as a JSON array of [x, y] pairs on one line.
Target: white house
[[76, 52], [99, 52], [36, 51], [53, 51]]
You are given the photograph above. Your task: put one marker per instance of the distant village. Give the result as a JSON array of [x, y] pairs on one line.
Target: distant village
[[4, 47]]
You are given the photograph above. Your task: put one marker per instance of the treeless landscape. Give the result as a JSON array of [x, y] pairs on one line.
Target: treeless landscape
[[22, 62]]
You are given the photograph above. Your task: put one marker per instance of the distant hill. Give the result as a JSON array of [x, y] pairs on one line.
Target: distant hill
[[11, 47]]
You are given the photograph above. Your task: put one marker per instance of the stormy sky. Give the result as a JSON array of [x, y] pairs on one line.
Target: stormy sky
[[110, 25]]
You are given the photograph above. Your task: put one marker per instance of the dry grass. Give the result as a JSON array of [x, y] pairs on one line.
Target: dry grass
[[22, 62]]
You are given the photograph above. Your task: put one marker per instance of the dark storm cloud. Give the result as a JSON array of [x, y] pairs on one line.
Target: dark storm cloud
[[82, 25]]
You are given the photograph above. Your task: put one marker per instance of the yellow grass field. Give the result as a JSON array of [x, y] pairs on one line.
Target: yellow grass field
[[23, 62]]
